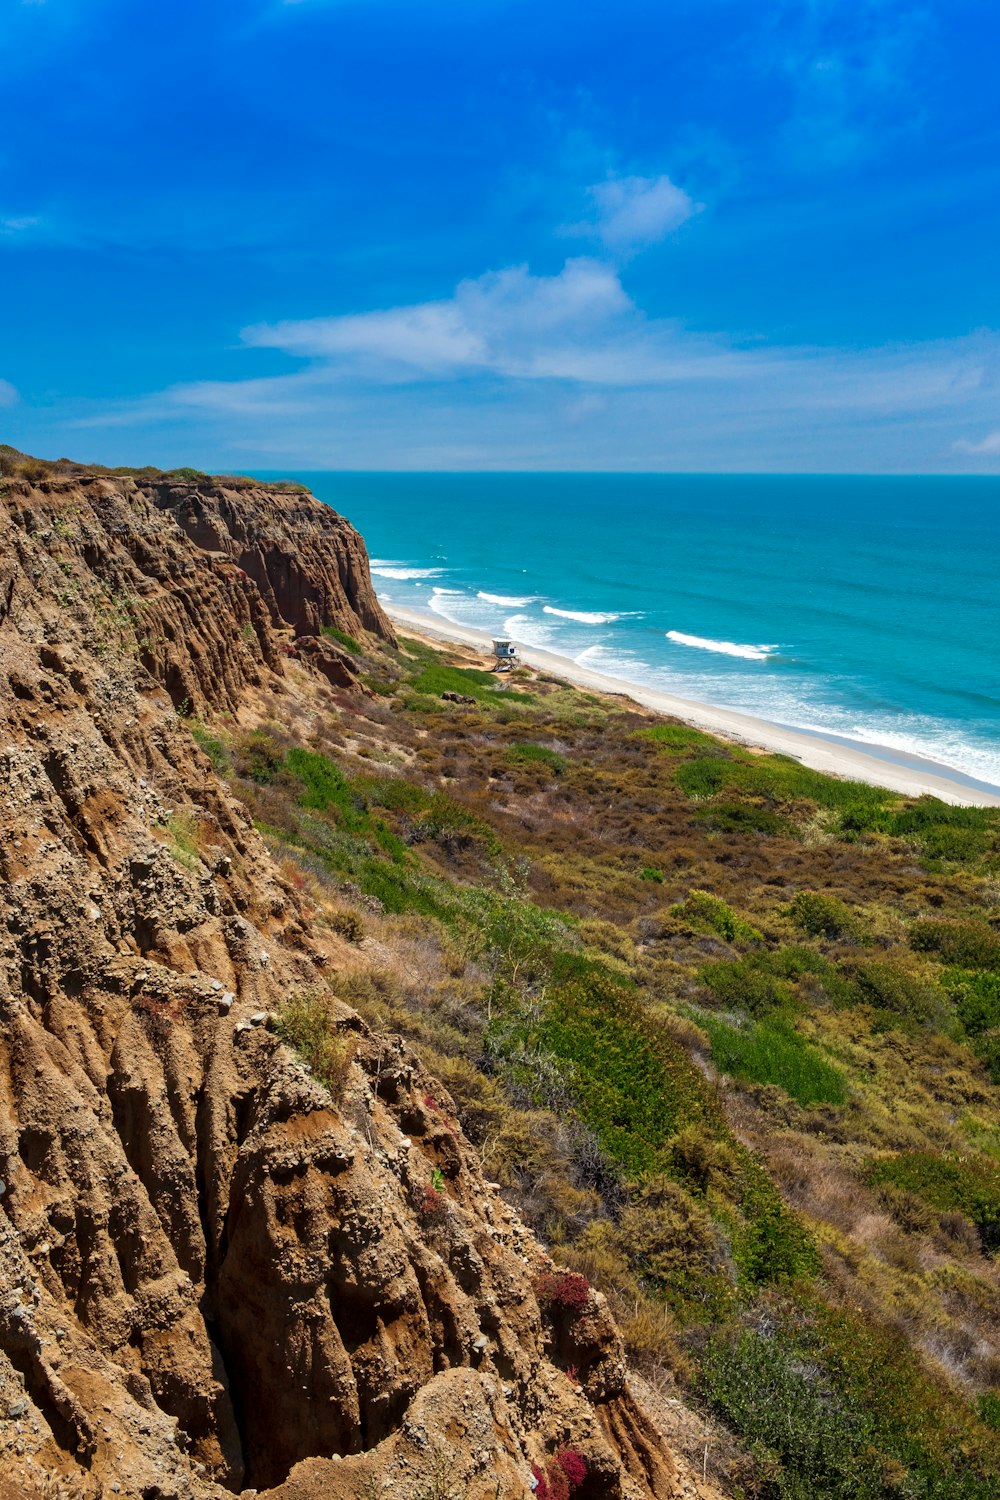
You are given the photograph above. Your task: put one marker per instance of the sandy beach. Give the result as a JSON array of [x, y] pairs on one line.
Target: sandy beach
[[856, 760]]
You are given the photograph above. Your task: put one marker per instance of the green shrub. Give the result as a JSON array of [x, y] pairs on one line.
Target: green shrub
[[961, 834], [743, 984], [967, 1184], [710, 911], [305, 1022], [743, 817], [899, 998], [836, 1408], [977, 998], [450, 824], [968, 945], [487, 687], [705, 775], [528, 754], [773, 1052], [342, 639], [821, 915], [676, 738], [799, 963], [649, 873], [810, 1441], [260, 756]]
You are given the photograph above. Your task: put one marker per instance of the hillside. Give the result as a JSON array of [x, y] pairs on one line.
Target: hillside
[[380, 1038], [224, 1265]]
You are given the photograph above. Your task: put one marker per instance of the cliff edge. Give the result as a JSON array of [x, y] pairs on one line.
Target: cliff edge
[[216, 1275]]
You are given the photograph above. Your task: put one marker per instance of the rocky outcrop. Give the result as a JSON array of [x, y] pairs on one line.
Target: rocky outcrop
[[214, 1273], [309, 564]]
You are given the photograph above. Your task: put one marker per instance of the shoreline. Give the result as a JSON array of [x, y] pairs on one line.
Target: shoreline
[[853, 759]]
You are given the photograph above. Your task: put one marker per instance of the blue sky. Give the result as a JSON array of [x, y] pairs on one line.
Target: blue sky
[[659, 234]]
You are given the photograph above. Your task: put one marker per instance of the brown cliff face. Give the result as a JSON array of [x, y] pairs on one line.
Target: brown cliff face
[[212, 1273]]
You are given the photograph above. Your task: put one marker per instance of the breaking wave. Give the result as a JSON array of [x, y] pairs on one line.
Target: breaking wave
[[507, 599], [583, 616], [398, 570], [724, 648]]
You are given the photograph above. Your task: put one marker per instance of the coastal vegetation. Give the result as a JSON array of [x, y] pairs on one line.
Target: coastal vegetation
[[725, 1030]]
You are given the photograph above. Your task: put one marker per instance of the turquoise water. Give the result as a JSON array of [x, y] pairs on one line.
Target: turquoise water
[[861, 607]]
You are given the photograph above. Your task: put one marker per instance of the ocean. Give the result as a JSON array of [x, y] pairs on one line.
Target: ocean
[[862, 608]]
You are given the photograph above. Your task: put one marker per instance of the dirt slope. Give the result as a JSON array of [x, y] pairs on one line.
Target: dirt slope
[[211, 1276]]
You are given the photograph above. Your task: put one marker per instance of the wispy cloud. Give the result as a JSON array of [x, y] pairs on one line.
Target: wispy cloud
[[631, 213], [8, 394], [987, 447], [566, 371], [581, 326], [18, 225], [508, 322]]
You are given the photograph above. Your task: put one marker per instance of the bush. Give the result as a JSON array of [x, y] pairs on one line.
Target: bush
[[343, 639], [709, 911], [960, 834], [705, 775], [969, 945], [967, 1184], [676, 738], [743, 817], [837, 1408], [744, 984], [305, 1022], [528, 754], [899, 998], [772, 1052], [825, 916], [565, 1290], [350, 925], [976, 997], [260, 756], [788, 1411], [487, 687]]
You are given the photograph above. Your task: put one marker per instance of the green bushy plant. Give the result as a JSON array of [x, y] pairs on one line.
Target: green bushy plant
[[968, 945], [821, 915], [772, 1052], [334, 633]]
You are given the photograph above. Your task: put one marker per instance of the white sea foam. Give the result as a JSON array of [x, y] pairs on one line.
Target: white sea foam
[[438, 590], [507, 599], [724, 648], [528, 632], [583, 616], [396, 570]]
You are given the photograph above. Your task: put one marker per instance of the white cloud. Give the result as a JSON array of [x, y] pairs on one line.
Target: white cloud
[[565, 371], [508, 322], [8, 394], [17, 226], [986, 447], [631, 213]]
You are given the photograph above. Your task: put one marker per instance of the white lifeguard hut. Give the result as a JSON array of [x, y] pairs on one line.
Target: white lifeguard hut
[[504, 654]]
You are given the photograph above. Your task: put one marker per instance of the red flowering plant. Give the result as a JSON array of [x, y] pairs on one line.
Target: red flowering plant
[[566, 1290], [562, 1476]]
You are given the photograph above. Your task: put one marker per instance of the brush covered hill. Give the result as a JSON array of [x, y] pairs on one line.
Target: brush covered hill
[[381, 1038], [245, 1245]]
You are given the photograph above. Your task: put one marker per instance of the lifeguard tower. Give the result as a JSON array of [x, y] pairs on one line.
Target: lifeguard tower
[[504, 655]]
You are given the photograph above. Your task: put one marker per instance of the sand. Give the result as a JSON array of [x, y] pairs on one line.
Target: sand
[[855, 760]]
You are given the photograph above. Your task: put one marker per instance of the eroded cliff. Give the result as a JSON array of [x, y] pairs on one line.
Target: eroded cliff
[[216, 1276]]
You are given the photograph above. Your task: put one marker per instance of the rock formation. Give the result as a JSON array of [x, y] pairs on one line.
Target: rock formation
[[215, 1276]]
